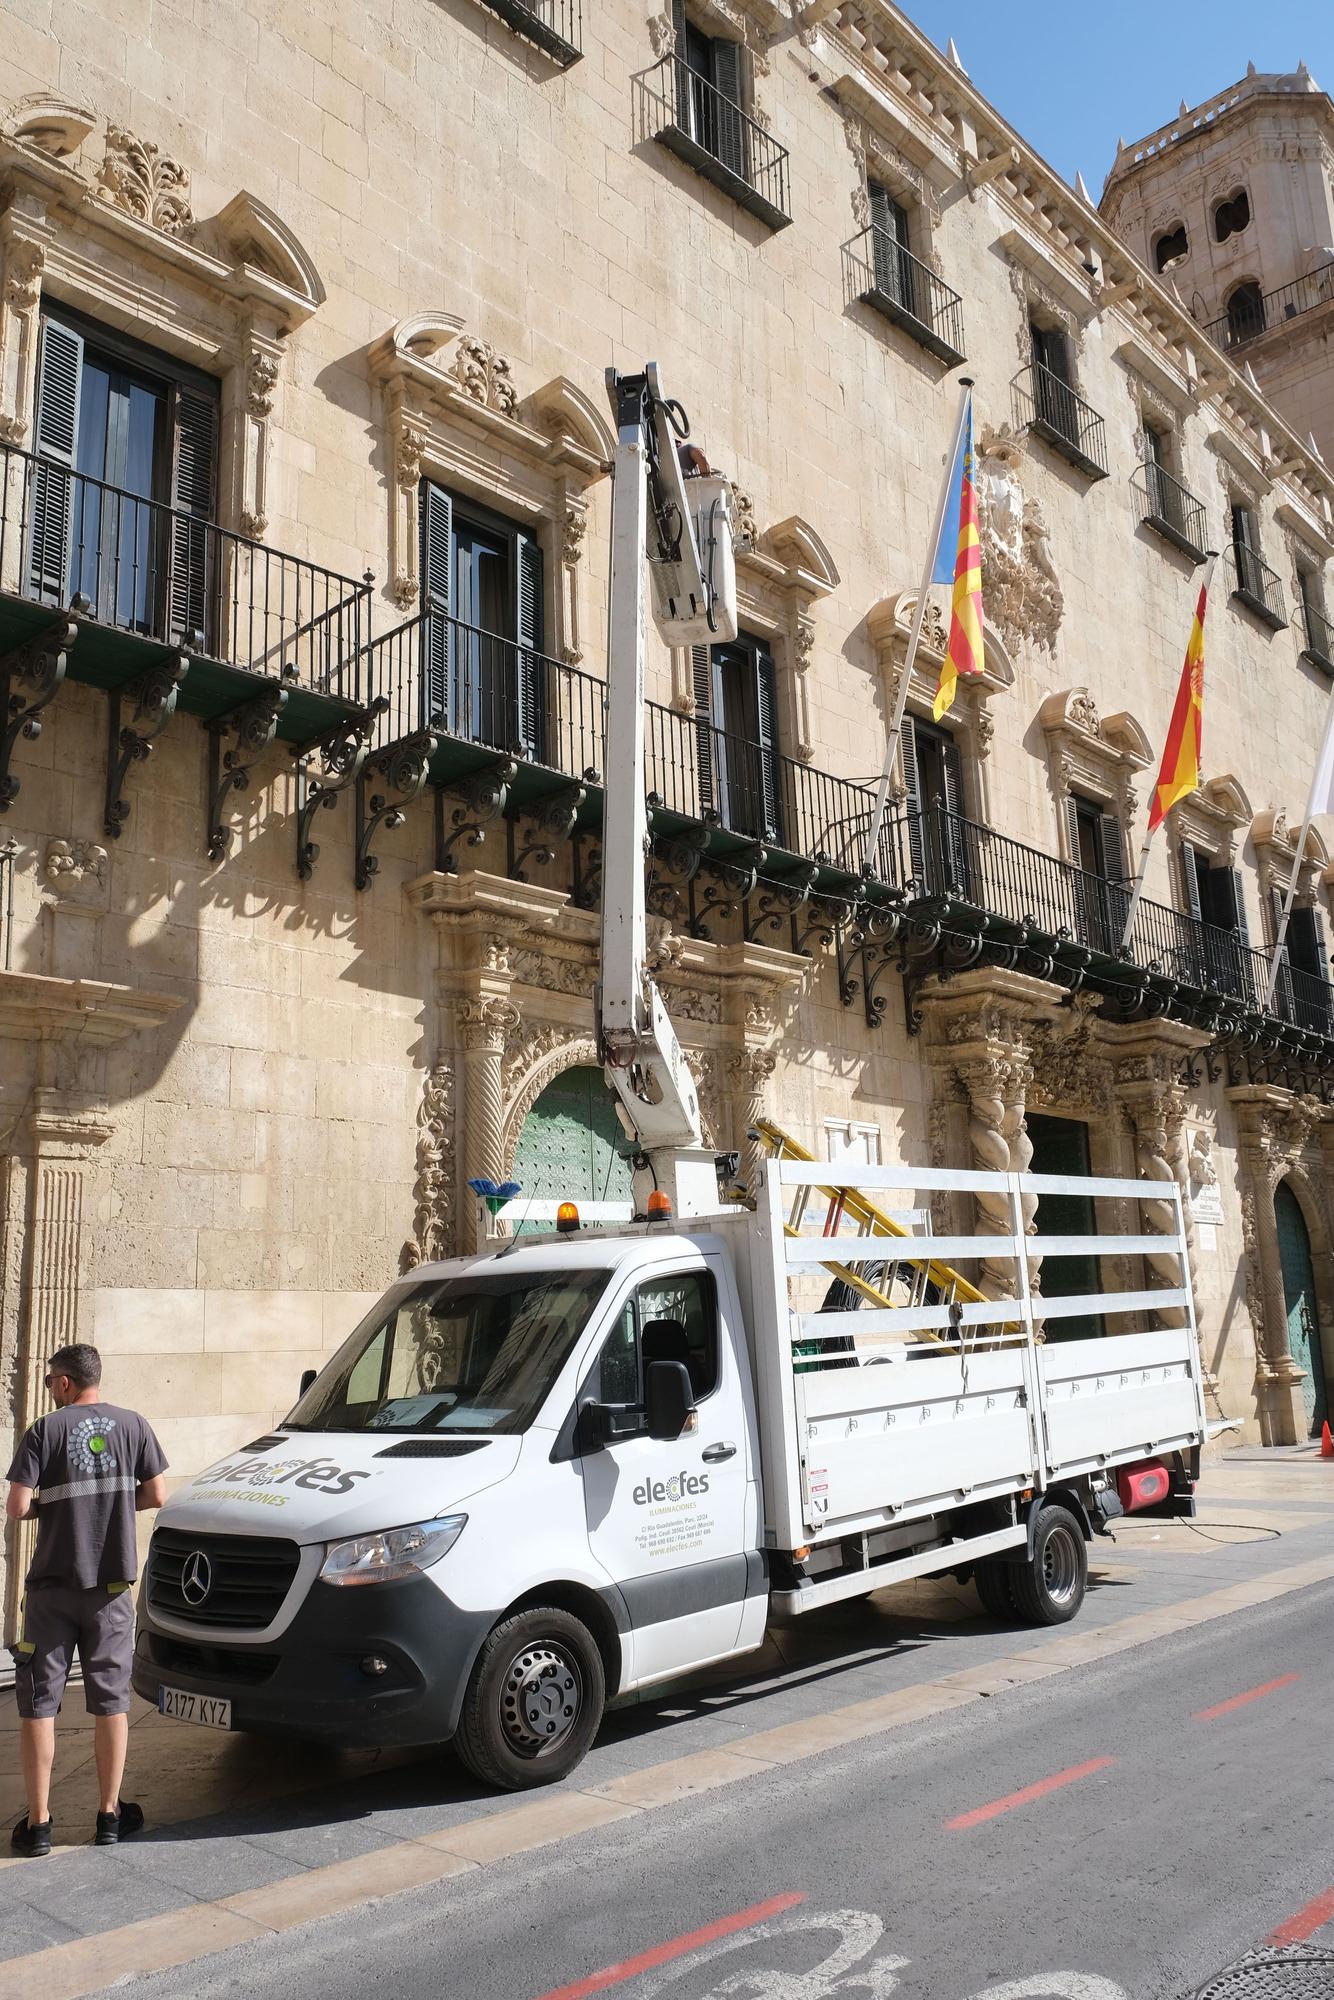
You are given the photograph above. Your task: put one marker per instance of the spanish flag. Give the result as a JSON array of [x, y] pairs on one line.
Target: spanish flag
[[959, 561], [1179, 773]]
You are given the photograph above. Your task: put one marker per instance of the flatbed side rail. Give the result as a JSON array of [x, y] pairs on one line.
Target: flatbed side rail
[[880, 1410]]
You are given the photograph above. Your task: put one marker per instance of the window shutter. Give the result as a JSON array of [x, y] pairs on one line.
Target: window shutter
[[528, 629], [1190, 882], [194, 459], [731, 129], [1231, 884], [956, 833], [706, 742], [770, 774], [890, 237], [912, 807], [1321, 951], [59, 375], [1111, 847], [436, 513]]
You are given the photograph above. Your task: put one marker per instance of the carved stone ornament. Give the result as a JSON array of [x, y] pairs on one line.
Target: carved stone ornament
[[139, 179], [745, 532], [1021, 591], [662, 35], [433, 1214], [76, 871], [261, 381], [24, 264], [484, 375]]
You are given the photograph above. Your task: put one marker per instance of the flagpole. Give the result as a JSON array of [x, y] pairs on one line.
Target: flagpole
[[914, 636], [1140, 873], [1322, 765]]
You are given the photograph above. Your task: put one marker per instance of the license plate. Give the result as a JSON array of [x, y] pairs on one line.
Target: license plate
[[210, 1709]]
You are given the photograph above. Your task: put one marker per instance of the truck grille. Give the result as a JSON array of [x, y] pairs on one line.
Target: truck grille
[[221, 1580]]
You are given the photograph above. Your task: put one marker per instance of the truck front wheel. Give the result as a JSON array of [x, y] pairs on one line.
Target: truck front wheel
[[1049, 1588], [534, 1700]]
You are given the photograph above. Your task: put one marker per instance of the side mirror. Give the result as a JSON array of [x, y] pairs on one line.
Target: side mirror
[[307, 1377], [593, 1429], [669, 1400]]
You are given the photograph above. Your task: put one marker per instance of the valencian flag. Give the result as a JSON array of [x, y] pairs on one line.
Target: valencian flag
[[958, 561], [1179, 772]]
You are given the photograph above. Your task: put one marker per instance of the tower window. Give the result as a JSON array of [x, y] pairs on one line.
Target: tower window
[[1231, 216], [1172, 247]]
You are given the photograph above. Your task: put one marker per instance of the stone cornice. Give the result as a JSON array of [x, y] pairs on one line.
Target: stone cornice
[[36, 1008]]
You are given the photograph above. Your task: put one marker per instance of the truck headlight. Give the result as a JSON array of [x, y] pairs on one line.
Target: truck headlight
[[393, 1553]]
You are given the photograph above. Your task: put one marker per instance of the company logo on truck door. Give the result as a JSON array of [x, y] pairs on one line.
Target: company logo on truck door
[[314, 1475], [681, 1486]]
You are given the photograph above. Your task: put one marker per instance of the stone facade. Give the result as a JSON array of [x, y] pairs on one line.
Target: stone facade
[[269, 1002]]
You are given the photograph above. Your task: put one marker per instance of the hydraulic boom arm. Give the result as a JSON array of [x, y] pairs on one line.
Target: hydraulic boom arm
[[681, 522]]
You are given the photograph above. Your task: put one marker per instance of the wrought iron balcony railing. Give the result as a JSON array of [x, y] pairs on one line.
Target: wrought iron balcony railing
[[174, 577], [555, 26], [493, 694], [1250, 314], [688, 114], [1171, 510], [1258, 587], [942, 856], [1049, 406], [888, 277], [1319, 647]]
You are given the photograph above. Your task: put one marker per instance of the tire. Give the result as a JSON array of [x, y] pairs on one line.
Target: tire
[[995, 1588], [534, 1700], [1049, 1589]]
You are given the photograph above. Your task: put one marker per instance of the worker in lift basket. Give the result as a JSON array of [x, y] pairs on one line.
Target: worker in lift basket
[[84, 1470]]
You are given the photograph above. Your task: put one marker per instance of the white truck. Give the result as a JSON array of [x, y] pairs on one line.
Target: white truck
[[577, 1466]]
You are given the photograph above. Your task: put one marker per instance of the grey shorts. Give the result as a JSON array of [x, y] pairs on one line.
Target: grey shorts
[[57, 1619]]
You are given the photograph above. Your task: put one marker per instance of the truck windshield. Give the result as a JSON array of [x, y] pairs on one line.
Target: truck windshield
[[472, 1353]]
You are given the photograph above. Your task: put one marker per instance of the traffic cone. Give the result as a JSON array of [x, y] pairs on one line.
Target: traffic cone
[[1326, 1441]]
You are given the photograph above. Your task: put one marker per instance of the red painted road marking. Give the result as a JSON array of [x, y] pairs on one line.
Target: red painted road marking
[[1028, 1794], [663, 1954], [1306, 1922], [1240, 1700]]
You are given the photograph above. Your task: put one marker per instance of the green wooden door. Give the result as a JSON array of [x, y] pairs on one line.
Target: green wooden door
[[569, 1148], [1061, 1146], [1299, 1294]]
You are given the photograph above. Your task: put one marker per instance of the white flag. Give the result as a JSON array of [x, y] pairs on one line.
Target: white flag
[[1322, 786]]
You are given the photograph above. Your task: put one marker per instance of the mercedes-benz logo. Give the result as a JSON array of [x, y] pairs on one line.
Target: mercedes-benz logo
[[196, 1578]]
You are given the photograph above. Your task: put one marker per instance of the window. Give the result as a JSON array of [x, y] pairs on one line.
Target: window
[[1172, 247], [710, 91], [123, 496], [1303, 995], [1212, 894], [687, 1302], [1319, 642], [1231, 216], [933, 782], [483, 671], [1097, 848], [1245, 312], [740, 768], [895, 272]]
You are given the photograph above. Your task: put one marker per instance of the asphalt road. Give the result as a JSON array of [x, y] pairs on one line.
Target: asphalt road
[[1118, 1832]]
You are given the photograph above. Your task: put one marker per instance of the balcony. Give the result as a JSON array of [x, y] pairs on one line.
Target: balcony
[[490, 701], [687, 114], [1251, 315], [1319, 647], [1049, 407], [1258, 588], [145, 582], [985, 897], [1171, 510], [887, 277], [554, 26]]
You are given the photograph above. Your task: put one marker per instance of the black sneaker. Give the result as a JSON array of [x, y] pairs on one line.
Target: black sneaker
[[31, 1840], [114, 1826]]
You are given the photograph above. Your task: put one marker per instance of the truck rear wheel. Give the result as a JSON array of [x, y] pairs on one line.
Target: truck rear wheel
[[1049, 1588], [995, 1588], [534, 1700]]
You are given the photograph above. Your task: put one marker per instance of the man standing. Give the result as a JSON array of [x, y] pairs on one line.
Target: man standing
[[92, 1466]]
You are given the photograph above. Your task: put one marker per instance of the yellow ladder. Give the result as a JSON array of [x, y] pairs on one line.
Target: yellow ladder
[[871, 1221]]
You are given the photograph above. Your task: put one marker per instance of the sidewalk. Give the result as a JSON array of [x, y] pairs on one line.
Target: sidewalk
[[246, 1825]]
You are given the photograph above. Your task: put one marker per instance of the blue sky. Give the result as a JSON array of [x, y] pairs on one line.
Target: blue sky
[[1069, 79]]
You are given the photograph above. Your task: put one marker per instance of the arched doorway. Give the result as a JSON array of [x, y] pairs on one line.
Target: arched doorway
[[1299, 1295], [570, 1143]]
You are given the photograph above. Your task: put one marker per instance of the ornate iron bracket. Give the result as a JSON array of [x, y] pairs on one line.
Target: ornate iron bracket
[[776, 904], [404, 769], [30, 678], [255, 725], [825, 918], [482, 800], [586, 889], [551, 819], [154, 696], [342, 753], [730, 883]]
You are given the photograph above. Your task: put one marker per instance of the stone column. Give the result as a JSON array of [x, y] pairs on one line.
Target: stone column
[[748, 1071], [989, 1093], [485, 1025], [1263, 1120], [1154, 1111]]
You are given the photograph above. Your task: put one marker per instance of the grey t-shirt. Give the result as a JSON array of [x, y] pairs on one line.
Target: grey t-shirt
[[86, 1460]]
